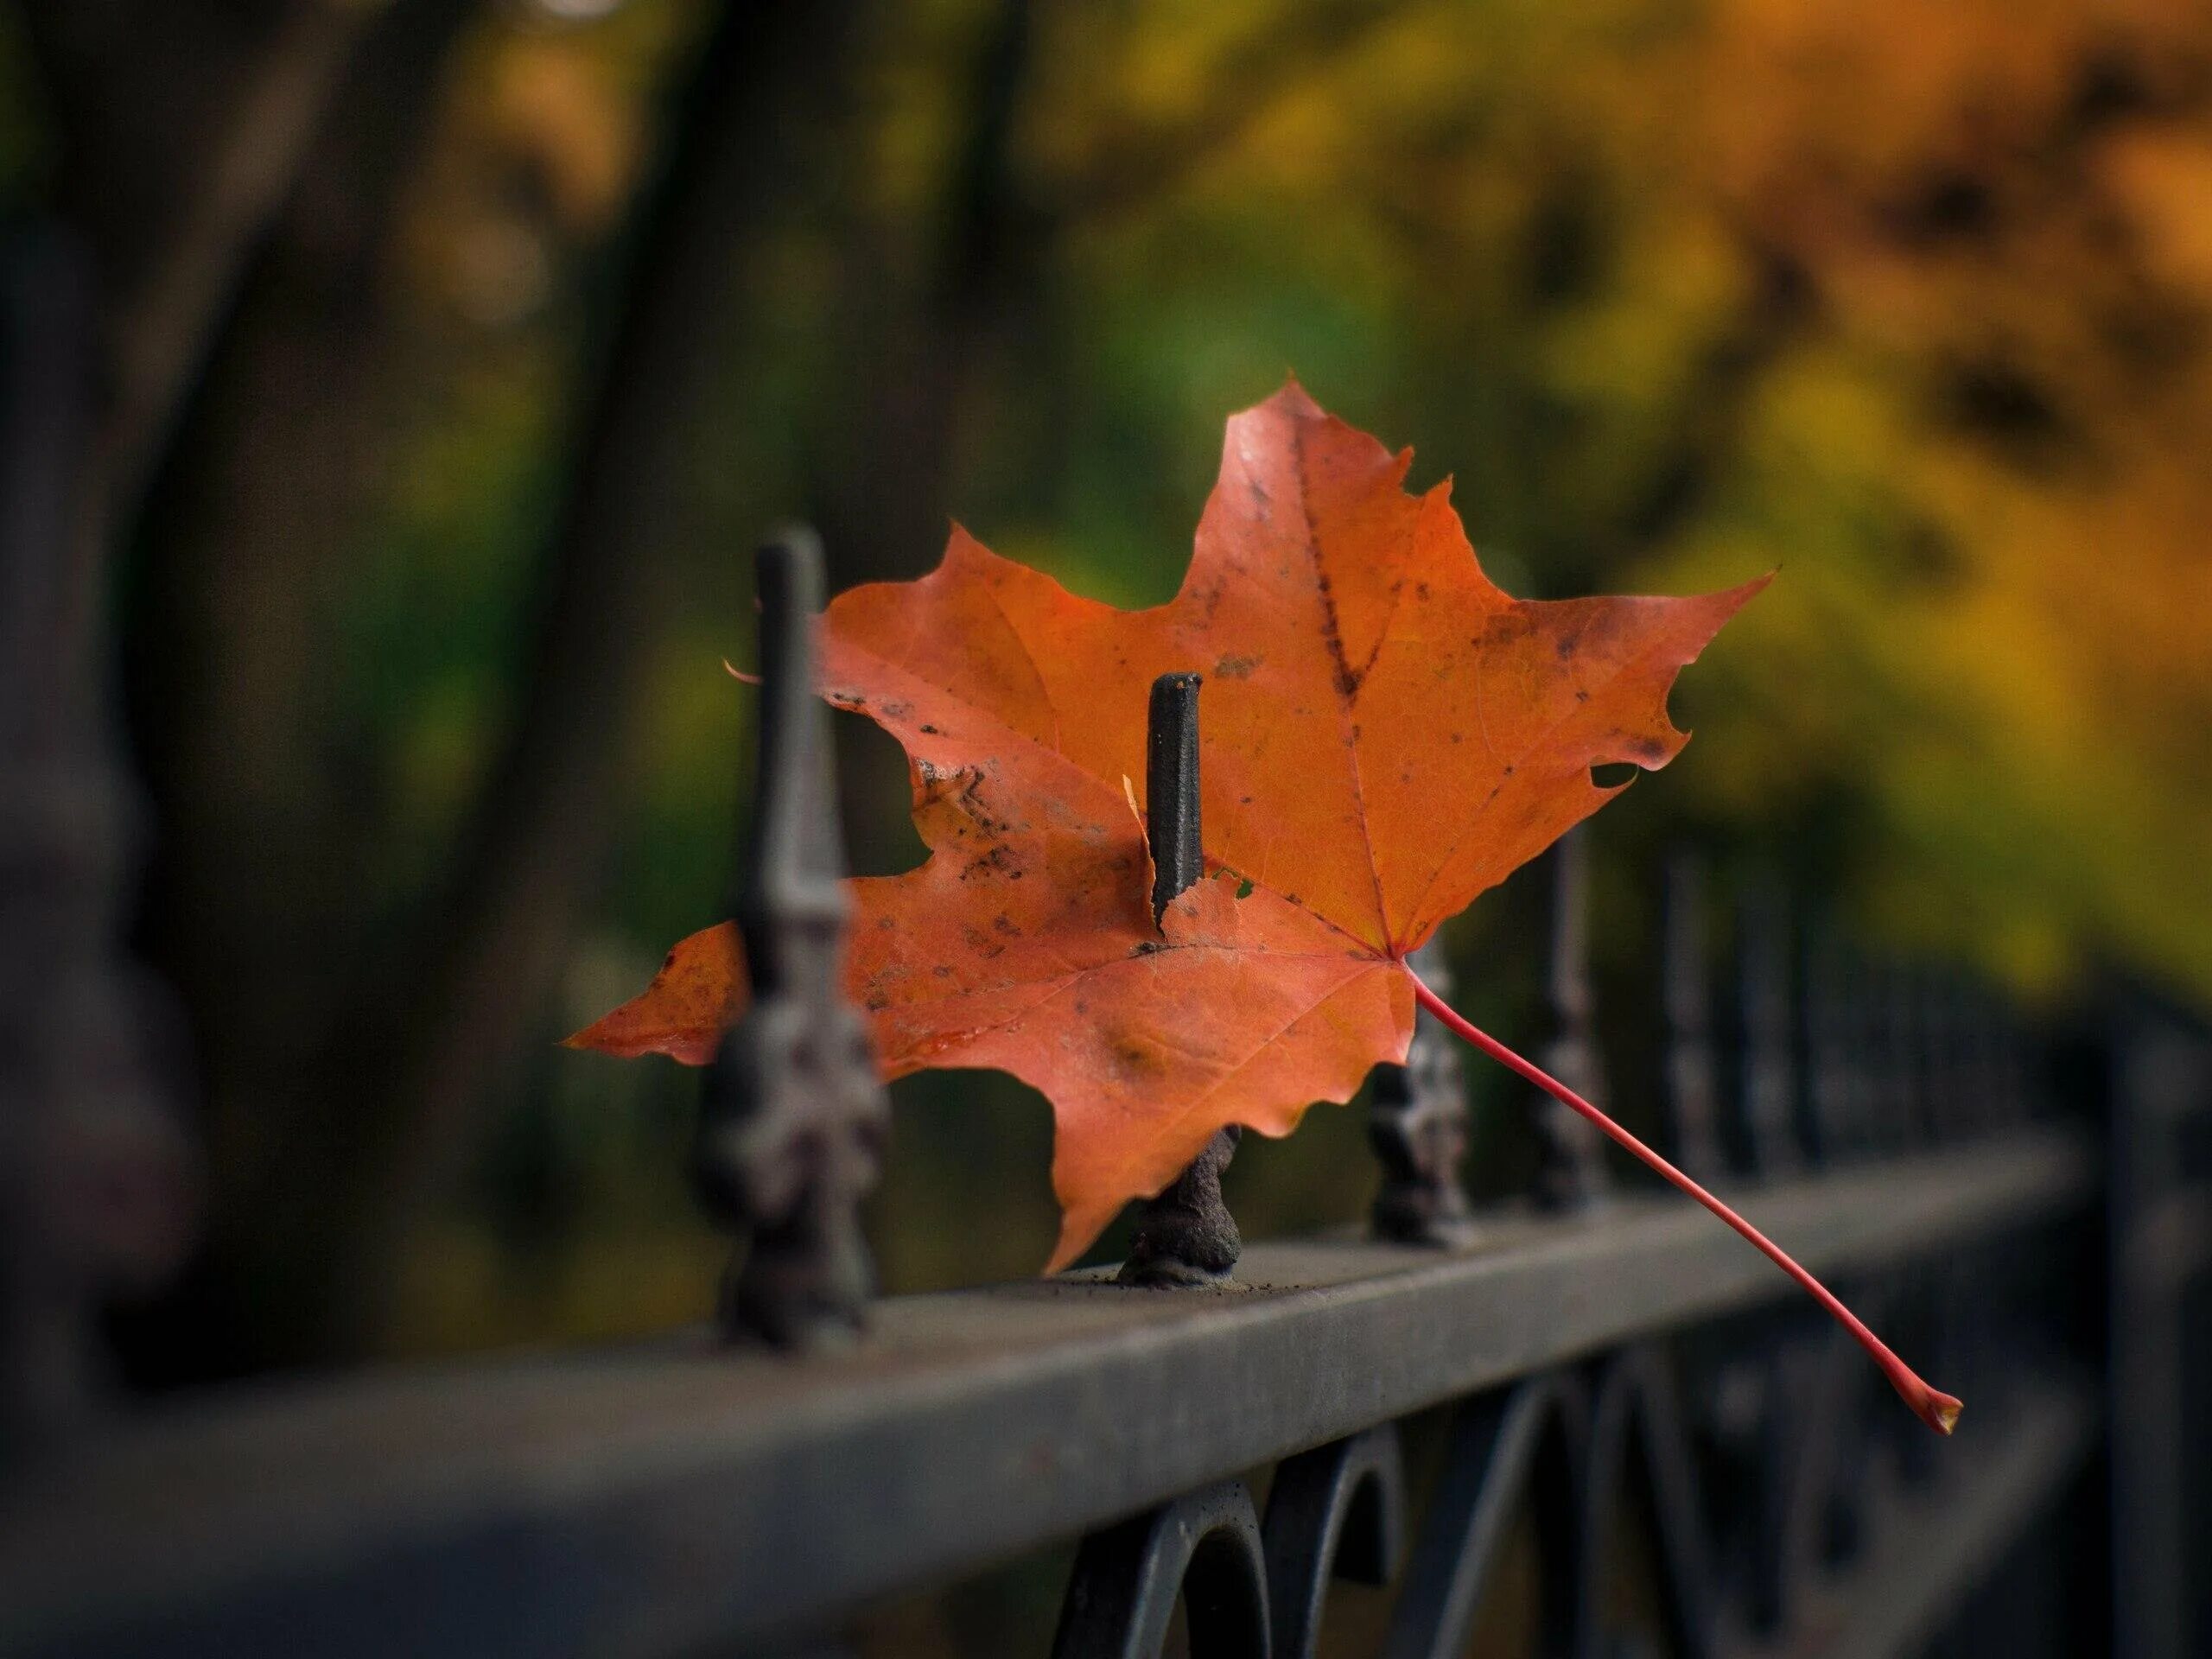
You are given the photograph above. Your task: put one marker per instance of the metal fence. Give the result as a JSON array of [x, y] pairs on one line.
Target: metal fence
[[1590, 1423]]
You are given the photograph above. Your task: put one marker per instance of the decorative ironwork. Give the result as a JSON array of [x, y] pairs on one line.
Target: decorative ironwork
[[1692, 1098], [1339, 1510], [1766, 1081], [1571, 1160], [1838, 1052], [766, 1500], [1206, 1547], [793, 1120], [1587, 1453], [1417, 1124], [1638, 1449], [1185, 1235], [1525, 1442], [1905, 1052]]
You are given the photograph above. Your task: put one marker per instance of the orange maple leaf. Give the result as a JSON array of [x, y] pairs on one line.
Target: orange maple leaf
[[1387, 734]]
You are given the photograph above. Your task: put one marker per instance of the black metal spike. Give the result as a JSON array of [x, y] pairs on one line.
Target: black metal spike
[[1185, 1235], [1171, 785], [793, 1118]]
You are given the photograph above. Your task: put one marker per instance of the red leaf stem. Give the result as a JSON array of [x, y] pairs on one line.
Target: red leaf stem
[[1940, 1411]]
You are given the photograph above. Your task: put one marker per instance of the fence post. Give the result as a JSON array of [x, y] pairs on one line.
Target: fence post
[[1418, 1127], [793, 1119], [1767, 1072], [1686, 977], [1571, 1160]]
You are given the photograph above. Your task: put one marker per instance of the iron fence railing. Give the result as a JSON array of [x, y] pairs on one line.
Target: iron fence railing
[[1701, 1466], [670, 1496]]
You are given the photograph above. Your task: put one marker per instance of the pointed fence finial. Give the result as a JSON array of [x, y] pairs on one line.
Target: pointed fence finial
[[793, 1119], [1185, 1235]]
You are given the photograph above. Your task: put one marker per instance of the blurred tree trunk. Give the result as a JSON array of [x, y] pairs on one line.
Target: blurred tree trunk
[[983, 304], [883, 478], [173, 178], [350, 1078], [256, 906], [183, 129], [884, 493]]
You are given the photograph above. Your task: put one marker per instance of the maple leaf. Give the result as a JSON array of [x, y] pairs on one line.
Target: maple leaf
[[1387, 734]]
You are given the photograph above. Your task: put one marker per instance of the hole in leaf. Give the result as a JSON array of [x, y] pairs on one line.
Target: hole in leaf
[[1244, 888], [1611, 774]]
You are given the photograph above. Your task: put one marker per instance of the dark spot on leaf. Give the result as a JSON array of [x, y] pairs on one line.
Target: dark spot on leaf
[[932, 731], [1136, 1058], [993, 863]]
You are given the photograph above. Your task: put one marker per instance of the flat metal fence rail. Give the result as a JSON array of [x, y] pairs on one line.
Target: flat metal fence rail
[[1703, 1465], [669, 1498]]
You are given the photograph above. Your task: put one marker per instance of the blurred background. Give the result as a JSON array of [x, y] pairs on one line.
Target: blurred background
[[455, 353]]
